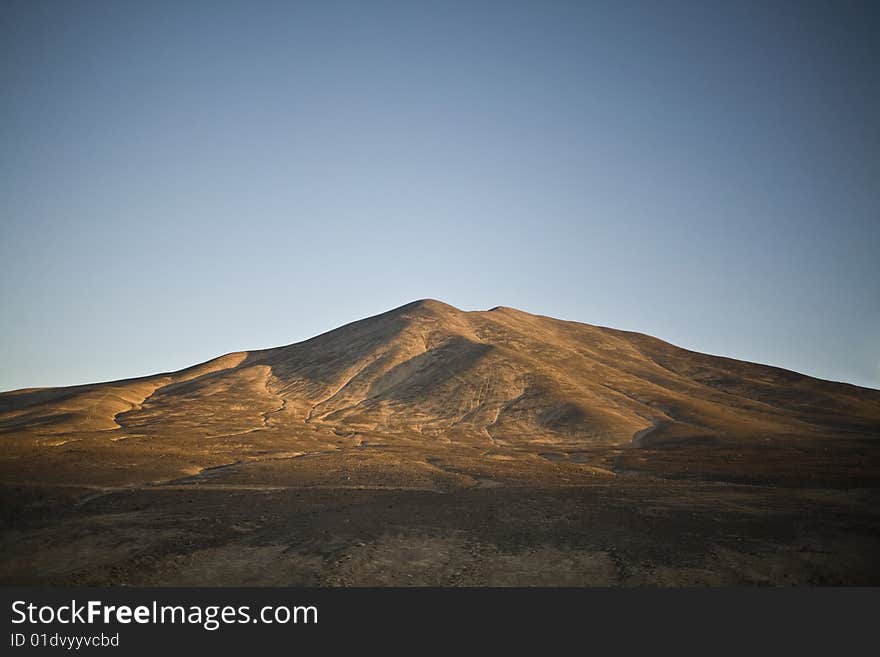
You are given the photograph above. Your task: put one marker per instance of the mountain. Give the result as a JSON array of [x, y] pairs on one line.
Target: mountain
[[431, 446], [427, 369]]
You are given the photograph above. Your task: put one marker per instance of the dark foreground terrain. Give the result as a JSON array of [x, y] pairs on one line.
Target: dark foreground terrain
[[464, 525]]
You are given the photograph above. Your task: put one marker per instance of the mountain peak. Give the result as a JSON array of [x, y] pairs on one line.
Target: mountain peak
[[427, 304]]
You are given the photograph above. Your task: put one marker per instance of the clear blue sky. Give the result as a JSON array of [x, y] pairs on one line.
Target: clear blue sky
[[182, 179]]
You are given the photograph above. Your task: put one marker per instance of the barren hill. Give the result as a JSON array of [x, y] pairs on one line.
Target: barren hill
[[427, 445], [500, 376]]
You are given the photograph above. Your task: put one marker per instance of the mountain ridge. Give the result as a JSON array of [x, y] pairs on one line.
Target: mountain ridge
[[428, 367]]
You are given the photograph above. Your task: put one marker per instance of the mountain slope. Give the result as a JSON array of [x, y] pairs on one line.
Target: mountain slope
[[427, 445], [430, 370]]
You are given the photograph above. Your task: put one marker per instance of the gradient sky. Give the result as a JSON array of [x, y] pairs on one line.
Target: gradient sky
[[179, 180]]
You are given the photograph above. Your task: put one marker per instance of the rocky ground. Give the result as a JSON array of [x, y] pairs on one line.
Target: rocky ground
[[361, 516]]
